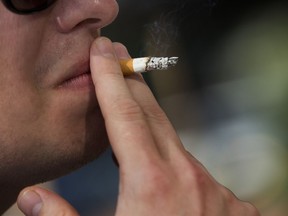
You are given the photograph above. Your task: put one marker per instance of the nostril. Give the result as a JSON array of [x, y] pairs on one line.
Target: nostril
[[93, 22]]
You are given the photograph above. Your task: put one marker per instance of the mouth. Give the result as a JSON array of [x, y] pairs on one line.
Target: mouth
[[77, 77], [82, 80]]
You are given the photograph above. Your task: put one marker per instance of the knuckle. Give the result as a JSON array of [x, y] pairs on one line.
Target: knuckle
[[252, 209], [231, 200], [196, 176], [109, 75], [159, 184], [228, 195], [127, 109], [156, 114]]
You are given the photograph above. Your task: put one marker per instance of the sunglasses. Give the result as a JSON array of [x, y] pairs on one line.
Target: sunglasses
[[27, 6]]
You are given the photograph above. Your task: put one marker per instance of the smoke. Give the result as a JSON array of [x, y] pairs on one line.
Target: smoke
[[163, 33]]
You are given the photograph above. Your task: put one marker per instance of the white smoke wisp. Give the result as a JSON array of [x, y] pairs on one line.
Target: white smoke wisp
[[163, 33], [161, 36]]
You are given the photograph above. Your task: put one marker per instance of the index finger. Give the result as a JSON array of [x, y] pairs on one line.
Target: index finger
[[127, 129]]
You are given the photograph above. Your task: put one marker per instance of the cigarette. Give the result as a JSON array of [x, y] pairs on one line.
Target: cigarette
[[145, 64]]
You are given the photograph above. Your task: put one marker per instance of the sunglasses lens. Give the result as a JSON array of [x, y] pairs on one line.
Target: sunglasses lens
[[27, 5]]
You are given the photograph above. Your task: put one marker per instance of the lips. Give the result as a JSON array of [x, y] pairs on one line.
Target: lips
[[77, 77]]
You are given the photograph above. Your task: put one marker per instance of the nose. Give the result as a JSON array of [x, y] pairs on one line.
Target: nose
[[74, 13]]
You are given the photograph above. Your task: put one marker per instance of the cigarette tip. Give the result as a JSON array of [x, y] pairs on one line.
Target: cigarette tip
[[172, 61]]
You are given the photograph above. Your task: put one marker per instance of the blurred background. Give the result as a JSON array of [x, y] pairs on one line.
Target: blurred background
[[227, 97]]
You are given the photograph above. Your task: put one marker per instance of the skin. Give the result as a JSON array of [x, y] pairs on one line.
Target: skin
[[49, 129]]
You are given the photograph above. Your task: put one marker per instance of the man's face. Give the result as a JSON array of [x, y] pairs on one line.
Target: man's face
[[50, 122]]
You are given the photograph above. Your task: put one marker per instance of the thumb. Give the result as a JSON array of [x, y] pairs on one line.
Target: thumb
[[36, 201]]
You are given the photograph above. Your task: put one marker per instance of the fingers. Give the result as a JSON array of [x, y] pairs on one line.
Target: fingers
[[126, 125], [163, 132], [137, 127], [35, 201]]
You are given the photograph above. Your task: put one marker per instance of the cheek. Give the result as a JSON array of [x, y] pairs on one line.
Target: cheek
[[19, 106], [20, 43], [19, 48]]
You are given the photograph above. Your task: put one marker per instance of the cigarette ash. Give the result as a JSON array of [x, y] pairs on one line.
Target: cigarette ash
[[161, 63]]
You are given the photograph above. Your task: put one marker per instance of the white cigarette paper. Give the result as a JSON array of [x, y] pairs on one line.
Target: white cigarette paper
[[144, 64]]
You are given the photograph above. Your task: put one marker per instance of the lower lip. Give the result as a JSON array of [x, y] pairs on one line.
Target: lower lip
[[82, 81]]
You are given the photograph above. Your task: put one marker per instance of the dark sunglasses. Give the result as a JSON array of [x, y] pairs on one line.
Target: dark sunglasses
[[27, 6]]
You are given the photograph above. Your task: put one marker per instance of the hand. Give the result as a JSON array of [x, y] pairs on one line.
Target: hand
[[157, 175]]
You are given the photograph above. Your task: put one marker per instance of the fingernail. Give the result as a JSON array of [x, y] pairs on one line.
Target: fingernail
[[103, 47], [30, 203]]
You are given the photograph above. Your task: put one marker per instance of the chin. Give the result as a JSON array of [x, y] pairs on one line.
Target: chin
[[61, 154], [58, 163], [77, 152]]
